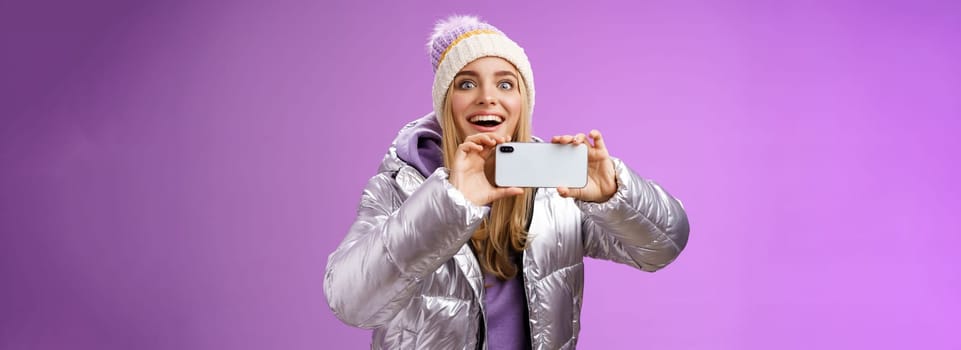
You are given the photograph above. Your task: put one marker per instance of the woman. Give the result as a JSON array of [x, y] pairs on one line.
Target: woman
[[440, 258]]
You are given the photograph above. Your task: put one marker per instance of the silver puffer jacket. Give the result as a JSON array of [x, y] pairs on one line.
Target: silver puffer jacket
[[405, 269]]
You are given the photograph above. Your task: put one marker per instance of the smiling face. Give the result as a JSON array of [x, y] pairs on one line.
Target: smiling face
[[485, 96]]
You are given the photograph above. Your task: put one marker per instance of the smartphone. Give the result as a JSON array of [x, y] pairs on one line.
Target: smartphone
[[534, 164]]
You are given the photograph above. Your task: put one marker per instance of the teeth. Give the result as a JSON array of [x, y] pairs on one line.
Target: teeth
[[486, 118]]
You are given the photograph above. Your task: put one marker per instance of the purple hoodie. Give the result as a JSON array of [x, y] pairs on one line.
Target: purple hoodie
[[419, 144]]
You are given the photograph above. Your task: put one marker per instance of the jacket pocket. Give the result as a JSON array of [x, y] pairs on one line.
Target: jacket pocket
[[560, 303]]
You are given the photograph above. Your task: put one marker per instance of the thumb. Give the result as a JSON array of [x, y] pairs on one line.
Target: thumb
[[569, 192], [506, 192]]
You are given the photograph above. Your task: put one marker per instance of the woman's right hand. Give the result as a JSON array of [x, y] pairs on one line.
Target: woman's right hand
[[468, 175]]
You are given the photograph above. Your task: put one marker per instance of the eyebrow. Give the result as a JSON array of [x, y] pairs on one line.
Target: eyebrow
[[497, 74]]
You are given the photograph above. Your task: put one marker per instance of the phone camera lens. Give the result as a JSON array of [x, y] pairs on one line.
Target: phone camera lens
[[507, 149]]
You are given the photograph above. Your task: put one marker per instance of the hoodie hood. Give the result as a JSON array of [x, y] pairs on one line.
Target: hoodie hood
[[419, 145]]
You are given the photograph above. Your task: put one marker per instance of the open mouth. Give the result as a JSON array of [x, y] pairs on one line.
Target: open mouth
[[486, 121]]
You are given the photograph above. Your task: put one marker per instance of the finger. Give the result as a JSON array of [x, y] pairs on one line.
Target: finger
[[489, 140], [566, 139], [563, 191], [487, 152], [468, 147], [484, 139], [462, 155], [503, 192], [497, 139], [494, 141], [579, 139], [598, 139]]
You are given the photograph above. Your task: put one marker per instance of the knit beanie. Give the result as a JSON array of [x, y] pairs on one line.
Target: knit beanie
[[459, 40]]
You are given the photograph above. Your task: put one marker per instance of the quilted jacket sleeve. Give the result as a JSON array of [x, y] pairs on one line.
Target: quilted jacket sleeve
[[393, 244], [641, 225]]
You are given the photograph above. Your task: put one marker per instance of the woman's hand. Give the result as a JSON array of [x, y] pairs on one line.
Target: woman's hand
[[601, 182], [468, 173]]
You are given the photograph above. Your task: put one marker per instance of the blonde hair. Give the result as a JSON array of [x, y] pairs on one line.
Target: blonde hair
[[504, 231]]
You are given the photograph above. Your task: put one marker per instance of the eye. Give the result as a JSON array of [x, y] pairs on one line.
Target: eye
[[505, 85], [467, 84]]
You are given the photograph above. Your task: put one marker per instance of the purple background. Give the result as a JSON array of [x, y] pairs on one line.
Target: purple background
[[174, 174]]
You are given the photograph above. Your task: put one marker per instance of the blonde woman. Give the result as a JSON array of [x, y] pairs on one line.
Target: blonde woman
[[440, 258]]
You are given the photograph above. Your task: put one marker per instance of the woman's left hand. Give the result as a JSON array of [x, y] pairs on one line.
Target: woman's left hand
[[601, 182]]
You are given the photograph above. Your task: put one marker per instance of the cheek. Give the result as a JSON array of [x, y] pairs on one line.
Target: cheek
[[514, 106], [458, 104]]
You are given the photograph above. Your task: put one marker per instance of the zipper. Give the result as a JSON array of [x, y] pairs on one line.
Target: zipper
[[530, 219], [483, 290], [482, 295]]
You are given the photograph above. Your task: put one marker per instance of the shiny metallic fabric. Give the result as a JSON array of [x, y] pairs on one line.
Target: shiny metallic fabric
[[405, 269]]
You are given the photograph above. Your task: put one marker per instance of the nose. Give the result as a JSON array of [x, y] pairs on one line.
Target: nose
[[486, 98]]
